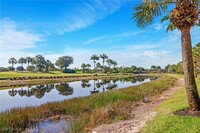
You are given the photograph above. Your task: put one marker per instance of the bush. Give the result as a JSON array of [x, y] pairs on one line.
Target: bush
[[30, 68], [4, 69], [11, 68], [20, 68], [68, 71]]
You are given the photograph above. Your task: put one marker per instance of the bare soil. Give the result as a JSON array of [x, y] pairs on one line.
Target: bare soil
[[143, 112]]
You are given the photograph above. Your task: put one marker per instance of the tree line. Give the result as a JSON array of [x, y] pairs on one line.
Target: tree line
[[39, 63], [107, 65]]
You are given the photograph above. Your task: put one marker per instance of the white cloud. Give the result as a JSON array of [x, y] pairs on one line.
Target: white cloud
[[84, 16], [12, 38], [112, 37]]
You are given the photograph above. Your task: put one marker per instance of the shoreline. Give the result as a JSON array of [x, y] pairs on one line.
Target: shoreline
[[56, 79]]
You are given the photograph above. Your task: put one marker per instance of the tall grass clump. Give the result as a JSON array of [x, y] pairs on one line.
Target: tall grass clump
[[90, 111]]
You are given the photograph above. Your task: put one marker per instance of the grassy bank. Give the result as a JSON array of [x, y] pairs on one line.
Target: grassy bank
[[167, 122], [11, 74], [57, 79], [88, 111]]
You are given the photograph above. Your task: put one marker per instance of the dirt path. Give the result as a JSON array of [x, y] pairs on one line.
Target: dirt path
[[143, 113]]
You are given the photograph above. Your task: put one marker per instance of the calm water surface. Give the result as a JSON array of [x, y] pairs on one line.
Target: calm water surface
[[40, 94]]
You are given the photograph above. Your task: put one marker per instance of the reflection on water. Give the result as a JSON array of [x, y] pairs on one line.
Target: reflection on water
[[39, 94], [58, 126]]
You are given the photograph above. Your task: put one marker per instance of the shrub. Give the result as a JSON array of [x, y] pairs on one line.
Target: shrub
[[30, 68], [68, 71], [4, 69], [11, 68], [20, 68]]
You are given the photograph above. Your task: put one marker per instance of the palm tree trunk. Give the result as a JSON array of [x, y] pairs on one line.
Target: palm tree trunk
[[190, 84]]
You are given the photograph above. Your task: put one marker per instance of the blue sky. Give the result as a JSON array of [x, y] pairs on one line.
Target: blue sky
[[80, 28]]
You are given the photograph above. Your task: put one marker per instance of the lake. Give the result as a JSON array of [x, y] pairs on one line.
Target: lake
[[39, 94]]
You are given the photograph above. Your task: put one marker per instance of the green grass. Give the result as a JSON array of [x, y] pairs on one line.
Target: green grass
[[89, 111], [11, 74], [167, 122]]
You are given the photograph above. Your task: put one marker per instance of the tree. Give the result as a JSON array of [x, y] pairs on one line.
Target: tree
[[167, 68], [196, 56], [83, 66], [114, 63], [182, 17], [153, 68], [12, 61], [109, 61], [103, 57], [22, 61], [64, 62], [28, 60], [47, 65], [98, 65], [40, 62], [94, 58]]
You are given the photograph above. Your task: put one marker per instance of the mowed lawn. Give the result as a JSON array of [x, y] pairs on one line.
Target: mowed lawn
[[32, 74], [167, 122]]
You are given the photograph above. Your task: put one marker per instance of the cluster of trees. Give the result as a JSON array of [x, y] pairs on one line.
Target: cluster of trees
[[39, 63], [98, 67]]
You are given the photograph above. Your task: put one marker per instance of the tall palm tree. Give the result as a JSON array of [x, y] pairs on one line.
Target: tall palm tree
[[183, 17], [29, 60], [22, 61], [103, 57], [94, 58], [12, 61]]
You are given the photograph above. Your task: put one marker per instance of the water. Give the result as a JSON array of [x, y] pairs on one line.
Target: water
[[40, 94], [49, 126]]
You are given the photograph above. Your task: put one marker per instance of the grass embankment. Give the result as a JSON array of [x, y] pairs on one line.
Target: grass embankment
[[11, 74], [90, 111], [167, 122]]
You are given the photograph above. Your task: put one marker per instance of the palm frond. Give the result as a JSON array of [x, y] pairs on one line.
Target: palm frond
[[165, 18], [170, 27], [146, 12]]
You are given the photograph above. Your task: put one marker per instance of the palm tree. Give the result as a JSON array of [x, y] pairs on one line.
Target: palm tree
[[83, 66], [94, 58], [183, 17], [12, 61], [22, 61], [114, 63], [29, 60], [103, 57], [109, 61]]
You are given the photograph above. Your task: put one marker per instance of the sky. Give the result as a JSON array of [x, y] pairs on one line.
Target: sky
[[81, 28]]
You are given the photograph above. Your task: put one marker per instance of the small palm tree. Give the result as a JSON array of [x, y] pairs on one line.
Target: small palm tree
[[12, 61], [114, 63], [83, 66], [183, 17], [29, 60], [22, 61], [109, 61], [94, 58], [103, 57]]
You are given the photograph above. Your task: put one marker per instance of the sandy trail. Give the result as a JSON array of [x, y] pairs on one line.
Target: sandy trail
[[143, 113]]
